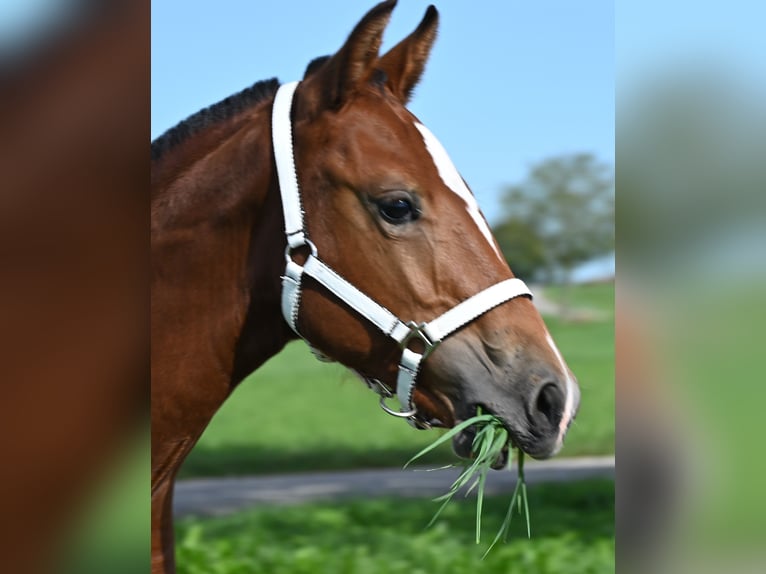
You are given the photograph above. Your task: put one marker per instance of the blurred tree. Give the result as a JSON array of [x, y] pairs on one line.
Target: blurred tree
[[522, 246], [566, 205]]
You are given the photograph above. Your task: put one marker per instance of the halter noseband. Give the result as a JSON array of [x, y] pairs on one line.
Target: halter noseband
[[430, 333]]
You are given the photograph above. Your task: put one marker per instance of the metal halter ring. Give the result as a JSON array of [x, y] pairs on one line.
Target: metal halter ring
[[385, 393], [404, 415], [290, 249]]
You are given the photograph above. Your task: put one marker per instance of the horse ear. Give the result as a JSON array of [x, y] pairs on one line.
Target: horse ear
[[405, 62], [333, 80]]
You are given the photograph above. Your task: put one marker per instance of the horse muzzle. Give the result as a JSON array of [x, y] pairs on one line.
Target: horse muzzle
[[536, 402]]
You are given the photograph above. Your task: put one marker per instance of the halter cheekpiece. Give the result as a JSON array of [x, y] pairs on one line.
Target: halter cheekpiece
[[430, 334]]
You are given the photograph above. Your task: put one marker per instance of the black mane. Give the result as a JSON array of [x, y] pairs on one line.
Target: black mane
[[215, 113]]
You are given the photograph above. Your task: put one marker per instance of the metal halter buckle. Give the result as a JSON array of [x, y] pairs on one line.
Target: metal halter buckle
[[418, 330]]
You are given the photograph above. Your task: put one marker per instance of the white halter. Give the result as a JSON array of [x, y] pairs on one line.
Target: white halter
[[430, 333]]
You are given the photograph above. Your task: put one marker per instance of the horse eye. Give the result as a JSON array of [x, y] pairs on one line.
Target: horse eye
[[397, 211]]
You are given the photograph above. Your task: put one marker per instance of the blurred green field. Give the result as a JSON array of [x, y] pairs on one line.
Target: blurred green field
[[296, 414], [595, 296], [572, 533]]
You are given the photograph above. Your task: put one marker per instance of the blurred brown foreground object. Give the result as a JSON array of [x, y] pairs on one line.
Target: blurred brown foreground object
[[73, 249]]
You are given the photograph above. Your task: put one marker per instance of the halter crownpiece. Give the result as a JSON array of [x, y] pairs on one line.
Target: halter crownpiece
[[430, 333]]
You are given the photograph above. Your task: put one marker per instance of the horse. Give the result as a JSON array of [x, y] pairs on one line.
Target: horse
[[323, 209]]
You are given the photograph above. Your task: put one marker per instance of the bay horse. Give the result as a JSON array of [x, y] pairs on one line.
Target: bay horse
[[323, 209]]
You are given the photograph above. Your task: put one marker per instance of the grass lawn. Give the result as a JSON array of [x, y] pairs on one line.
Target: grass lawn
[[597, 296], [296, 414], [572, 533]]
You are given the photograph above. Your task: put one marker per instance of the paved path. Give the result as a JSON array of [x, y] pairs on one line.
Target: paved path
[[220, 496]]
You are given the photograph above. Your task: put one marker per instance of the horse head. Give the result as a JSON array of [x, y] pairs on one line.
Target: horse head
[[386, 209]]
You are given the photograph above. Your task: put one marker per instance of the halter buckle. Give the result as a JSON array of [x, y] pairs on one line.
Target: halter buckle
[[417, 330]]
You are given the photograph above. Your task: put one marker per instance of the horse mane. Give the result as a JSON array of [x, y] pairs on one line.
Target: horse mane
[[225, 109]]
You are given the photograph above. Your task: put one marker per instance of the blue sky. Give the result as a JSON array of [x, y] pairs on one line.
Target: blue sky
[[656, 36], [508, 83]]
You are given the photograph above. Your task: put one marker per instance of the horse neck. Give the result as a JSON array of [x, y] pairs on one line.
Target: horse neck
[[217, 251]]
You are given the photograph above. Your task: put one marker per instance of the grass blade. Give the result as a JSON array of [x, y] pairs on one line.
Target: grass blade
[[526, 507], [490, 438], [479, 503], [438, 512], [448, 435], [523, 483], [505, 526]]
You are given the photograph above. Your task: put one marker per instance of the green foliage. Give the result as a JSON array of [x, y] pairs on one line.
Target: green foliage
[[566, 205], [574, 533], [522, 246], [490, 439], [296, 414]]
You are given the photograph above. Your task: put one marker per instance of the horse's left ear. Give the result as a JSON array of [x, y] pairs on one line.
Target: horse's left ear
[[405, 62], [328, 83]]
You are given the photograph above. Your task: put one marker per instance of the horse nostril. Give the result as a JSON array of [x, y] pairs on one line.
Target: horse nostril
[[550, 402]]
